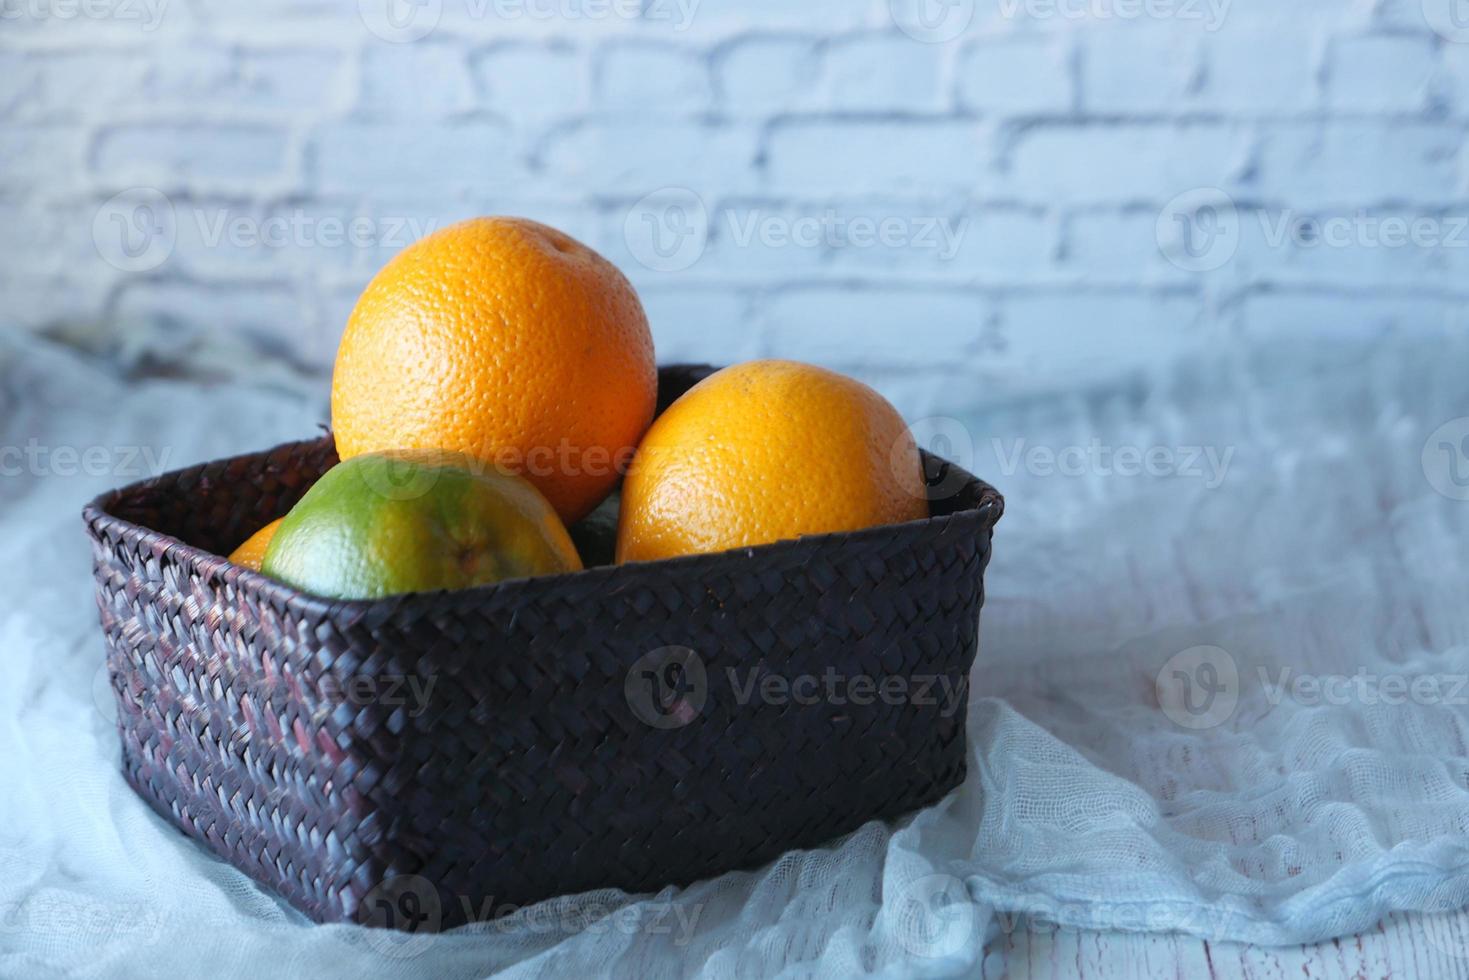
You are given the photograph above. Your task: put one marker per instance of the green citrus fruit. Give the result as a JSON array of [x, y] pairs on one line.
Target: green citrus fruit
[[386, 523]]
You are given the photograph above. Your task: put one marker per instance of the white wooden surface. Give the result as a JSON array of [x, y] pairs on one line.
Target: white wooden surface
[[1402, 946]]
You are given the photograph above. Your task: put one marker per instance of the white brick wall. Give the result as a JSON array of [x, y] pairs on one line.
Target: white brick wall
[[960, 201]]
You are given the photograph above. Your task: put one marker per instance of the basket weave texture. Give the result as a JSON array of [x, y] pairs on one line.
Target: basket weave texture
[[568, 732]]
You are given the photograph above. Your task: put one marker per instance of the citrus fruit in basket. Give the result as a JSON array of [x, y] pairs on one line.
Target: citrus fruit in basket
[[382, 524], [507, 340], [765, 451], [252, 551]]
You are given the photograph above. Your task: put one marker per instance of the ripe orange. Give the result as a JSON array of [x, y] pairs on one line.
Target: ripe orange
[[507, 340], [252, 551], [765, 451]]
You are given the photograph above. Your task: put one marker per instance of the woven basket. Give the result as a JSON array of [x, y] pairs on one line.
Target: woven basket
[[612, 727]]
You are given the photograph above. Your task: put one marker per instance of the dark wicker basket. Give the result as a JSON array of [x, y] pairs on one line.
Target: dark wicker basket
[[570, 738]]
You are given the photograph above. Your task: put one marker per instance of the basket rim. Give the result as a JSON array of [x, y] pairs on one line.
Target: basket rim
[[983, 515]]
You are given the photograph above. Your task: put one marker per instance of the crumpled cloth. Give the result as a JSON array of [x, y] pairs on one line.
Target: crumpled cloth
[[1219, 691]]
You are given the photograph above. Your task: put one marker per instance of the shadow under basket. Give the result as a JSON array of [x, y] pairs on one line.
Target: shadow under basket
[[411, 762]]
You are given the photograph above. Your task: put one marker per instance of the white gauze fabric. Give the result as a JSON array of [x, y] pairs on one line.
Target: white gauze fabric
[[1146, 749]]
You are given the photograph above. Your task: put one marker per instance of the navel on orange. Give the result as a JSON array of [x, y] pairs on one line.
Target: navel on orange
[[765, 451], [506, 340]]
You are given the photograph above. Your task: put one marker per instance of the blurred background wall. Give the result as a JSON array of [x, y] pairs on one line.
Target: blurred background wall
[[960, 200]]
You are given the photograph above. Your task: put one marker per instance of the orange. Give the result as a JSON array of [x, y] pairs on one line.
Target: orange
[[765, 451], [506, 340], [419, 520], [252, 551]]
